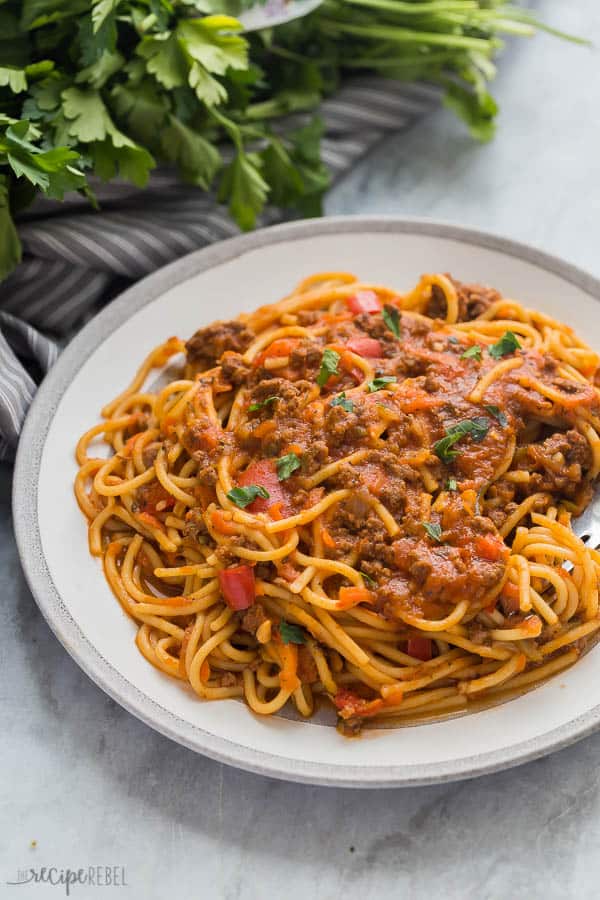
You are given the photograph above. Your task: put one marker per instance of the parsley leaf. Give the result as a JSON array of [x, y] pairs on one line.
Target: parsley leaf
[[286, 465], [507, 344], [11, 246], [378, 384], [452, 484], [367, 579], [433, 530], [262, 403], [340, 400], [476, 428], [329, 366], [497, 413], [245, 187], [473, 352], [391, 317], [291, 634], [198, 160], [243, 496]]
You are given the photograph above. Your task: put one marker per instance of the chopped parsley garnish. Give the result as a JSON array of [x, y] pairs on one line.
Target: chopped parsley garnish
[[477, 428], [262, 403], [508, 343], [473, 352], [340, 400], [286, 465], [329, 366], [291, 634], [367, 579], [497, 413], [452, 484], [243, 496], [378, 384], [391, 317], [433, 530]]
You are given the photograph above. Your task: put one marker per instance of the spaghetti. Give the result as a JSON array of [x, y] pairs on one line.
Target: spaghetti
[[356, 495]]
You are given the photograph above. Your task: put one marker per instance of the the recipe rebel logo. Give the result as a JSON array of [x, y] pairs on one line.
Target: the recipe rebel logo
[[69, 879]]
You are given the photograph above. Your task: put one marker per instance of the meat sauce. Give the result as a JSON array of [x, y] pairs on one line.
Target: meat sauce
[[424, 374]]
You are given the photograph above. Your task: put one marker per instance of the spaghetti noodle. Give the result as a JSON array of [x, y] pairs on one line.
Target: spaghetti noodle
[[357, 495]]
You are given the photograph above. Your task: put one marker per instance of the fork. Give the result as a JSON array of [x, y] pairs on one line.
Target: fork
[[587, 525]]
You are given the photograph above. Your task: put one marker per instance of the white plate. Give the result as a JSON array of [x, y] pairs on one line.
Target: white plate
[[70, 588]]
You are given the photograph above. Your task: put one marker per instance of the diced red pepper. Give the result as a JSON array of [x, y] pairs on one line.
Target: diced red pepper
[[238, 587], [364, 302], [420, 648], [490, 547], [264, 472], [365, 346]]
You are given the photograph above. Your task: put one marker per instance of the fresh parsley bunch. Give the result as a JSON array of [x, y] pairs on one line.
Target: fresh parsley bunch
[[110, 87]]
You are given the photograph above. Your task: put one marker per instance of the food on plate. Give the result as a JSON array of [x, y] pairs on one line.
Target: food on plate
[[357, 496]]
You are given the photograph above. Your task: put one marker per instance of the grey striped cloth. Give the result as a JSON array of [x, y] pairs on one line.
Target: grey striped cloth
[[75, 259]]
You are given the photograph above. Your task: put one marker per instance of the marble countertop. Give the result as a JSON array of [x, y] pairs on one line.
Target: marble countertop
[[95, 787]]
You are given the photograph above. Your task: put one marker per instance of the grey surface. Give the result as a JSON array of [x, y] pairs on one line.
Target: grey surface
[[94, 786]]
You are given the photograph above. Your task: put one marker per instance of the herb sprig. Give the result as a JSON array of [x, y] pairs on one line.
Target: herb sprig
[[476, 428], [114, 87]]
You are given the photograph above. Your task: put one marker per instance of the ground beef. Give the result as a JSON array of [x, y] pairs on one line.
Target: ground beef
[[253, 618], [346, 428], [206, 346], [558, 463], [194, 524], [307, 669], [308, 316], [473, 300], [233, 368], [306, 358]]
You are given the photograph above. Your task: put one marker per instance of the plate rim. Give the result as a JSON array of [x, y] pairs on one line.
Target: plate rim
[[83, 651]]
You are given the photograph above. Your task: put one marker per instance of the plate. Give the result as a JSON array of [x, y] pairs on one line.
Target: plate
[[68, 584]]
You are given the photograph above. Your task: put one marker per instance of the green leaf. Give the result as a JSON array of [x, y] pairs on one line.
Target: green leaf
[[98, 73], [433, 530], [291, 634], [478, 110], [305, 153], [13, 78], [378, 384], [209, 41], [497, 413], [244, 187], [262, 403], [207, 88], [329, 366], [197, 159], [452, 484], [340, 400], [112, 151], [143, 107], [127, 160], [88, 117], [35, 13], [507, 344], [477, 428], [101, 10], [164, 59], [391, 317], [286, 465], [10, 246], [473, 352], [98, 35], [243, 496], [285, 181]]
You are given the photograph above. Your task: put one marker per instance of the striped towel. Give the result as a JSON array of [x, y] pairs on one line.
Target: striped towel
[[75, 260]]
